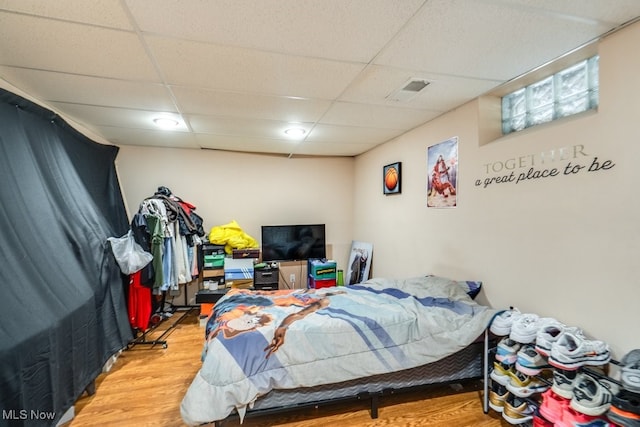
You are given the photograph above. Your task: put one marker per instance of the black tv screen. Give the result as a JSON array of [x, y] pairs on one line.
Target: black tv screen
[[293, 242]]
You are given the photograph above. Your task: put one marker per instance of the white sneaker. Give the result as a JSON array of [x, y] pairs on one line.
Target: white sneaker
[[572, 351], [593, 396], [551, 332], [501, 324], [525, 329]]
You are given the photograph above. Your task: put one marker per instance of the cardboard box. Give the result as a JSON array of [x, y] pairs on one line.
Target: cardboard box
[[240, 284], [321, 283], [213, 273]]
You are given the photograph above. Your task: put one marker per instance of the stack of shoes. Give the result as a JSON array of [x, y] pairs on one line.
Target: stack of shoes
[[625, 406]]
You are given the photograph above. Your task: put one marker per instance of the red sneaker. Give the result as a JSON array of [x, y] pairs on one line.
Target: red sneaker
[[552, 406]]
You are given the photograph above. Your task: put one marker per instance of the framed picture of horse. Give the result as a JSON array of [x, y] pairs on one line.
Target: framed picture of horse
[[442, 174]]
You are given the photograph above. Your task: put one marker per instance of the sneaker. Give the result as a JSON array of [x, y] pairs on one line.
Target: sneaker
[[525, 328], [563, 382], [498, 396], [552, 406], [530, 362], [550, 332], [507, 350], [572, 351], [526, 386], [517, 410], [573, 418], [593, 396], [630, 372], [501, 324], [502, 373], [541, 422], [625, 409]]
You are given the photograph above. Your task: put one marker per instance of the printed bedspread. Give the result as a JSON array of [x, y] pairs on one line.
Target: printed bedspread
[[263, 340]]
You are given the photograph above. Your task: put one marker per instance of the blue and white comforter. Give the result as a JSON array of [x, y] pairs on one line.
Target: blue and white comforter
[[263, 340]]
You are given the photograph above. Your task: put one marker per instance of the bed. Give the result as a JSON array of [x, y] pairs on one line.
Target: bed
[[269, 349]]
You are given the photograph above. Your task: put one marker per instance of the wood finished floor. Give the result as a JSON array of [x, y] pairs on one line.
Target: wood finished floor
[[146, 385]]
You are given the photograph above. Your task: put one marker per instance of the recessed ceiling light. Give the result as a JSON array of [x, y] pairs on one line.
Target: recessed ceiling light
[[295, 132], [166, 122]]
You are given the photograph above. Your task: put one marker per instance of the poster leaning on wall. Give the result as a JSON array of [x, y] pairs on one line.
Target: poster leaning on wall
[[442, 174]]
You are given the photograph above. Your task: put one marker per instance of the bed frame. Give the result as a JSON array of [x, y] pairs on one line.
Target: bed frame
[[471, 363]]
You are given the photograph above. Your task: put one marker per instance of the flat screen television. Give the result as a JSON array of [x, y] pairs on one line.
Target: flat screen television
[[293, 242]]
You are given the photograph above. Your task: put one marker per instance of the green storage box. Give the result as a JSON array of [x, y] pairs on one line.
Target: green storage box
[[214, 261]]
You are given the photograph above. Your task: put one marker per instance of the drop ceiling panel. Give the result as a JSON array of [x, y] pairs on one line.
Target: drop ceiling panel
[[244, 70], [593, 10], [149, 138], [248, 68], [351, 31], [351, 134], [71, 88], [485, 40], [240, 104], [103, 13], [73, 48], [115, 117], [377, 116], [255, 128], [444, 93]]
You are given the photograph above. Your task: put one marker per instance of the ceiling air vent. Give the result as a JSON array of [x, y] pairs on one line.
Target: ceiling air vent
[[408, 90]]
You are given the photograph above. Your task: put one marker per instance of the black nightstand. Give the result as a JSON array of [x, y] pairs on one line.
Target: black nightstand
[[266, 279]]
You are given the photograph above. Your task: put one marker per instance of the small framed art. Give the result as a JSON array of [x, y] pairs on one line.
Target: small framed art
[[391, 178]]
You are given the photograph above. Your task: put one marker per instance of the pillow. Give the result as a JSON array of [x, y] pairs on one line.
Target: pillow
[[470, 287]]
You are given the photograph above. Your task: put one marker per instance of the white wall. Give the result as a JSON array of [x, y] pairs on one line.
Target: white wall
[[564, 246], [252, 189]]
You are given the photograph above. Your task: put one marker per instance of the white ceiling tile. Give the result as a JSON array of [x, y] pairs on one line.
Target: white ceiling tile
[[73, 48], [443, 93], [594, 10], [149, 138], [234, 104], [351, 134], [71, 88], [352, 31], [244, 70], [117, 117], [490, 40], [378, 116], [103, 13], [255, 128]]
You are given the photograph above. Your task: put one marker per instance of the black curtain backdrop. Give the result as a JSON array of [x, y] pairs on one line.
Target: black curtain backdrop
[[62, 304]]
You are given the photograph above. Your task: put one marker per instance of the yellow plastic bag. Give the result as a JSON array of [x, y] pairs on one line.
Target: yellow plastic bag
[[232, 237]]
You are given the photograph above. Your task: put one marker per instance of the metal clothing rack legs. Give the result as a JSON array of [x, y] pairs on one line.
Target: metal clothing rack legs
[[142, 339]]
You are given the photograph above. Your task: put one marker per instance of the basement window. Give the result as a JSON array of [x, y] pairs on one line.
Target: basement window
[[570, 91]]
